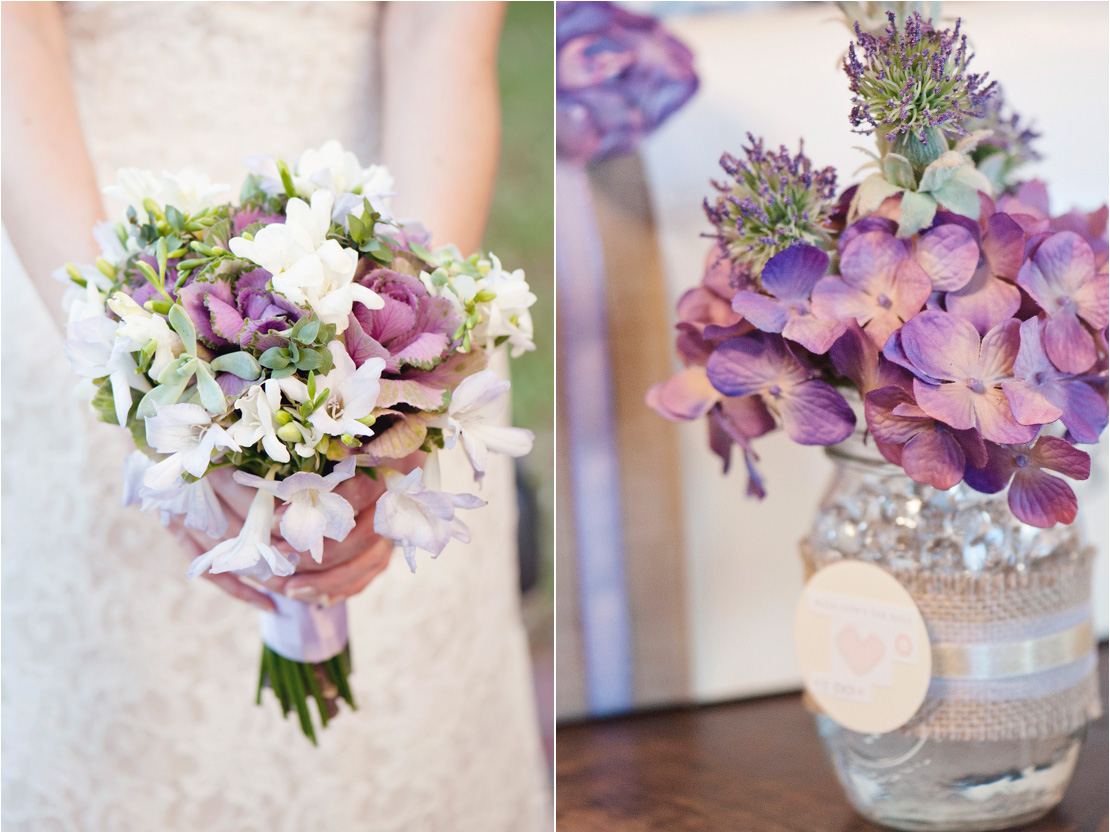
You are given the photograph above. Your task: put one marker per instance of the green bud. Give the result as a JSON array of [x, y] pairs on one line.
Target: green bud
[[283, 417], [324, 444], [74, 273], [368, 421], [289, 432], [349, 440], [286, 179], [920, 154], [484, 296], [162, 307], [151, 207], [106, 268], [149, 273]]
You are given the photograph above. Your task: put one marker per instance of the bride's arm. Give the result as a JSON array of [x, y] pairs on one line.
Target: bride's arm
[[441, 114], [46, 180]]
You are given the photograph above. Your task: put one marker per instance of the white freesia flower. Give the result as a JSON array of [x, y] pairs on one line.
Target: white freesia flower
[[189, 190], [111, 249], [84, 303], [507, 314], [307, 268], [314, 512], [188, 434], [472, 416], [417, 518], [352, 394], [246, 549], [196, 500], [94, 351], [258, 406], [141, 326]]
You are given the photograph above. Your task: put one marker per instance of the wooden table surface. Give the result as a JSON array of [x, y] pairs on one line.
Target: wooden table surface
[[749, 766]]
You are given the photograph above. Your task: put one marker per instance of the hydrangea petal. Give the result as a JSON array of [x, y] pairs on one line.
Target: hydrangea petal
[[949, 255], [813, 413], [1068, 344], [1041, 500], [934, 457], [791, 275], [942, 346], [766, 314]]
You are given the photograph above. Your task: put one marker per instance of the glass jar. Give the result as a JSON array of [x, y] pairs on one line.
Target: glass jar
[[988, 749]]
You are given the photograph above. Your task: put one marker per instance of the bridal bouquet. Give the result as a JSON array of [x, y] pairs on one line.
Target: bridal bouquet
[[940, 290], [301, 338]]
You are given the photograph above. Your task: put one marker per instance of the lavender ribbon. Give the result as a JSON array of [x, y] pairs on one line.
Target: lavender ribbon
[[584, 355], [304, 632]]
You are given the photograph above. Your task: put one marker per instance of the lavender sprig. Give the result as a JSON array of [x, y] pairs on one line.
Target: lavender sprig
[[773, 201]]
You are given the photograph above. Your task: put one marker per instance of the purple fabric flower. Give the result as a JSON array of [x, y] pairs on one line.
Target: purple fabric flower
[[412, 329], [959, 377], [1061, 279], [1092, 227], [930, 451], [990, 297], [685, 396], [738, 421], [879, 286], [619, 75], [812, 412], [948, 253], [1040, 394], [790, 277], [706, 318], [1036, 497]]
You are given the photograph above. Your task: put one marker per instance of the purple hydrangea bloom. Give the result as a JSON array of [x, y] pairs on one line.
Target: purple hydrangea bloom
[[706, 318], [930, 451], [879, 286], [1091, 226], [949, 254], [618, 76], [959, 376], [991, 297], [1040, 394], [1036, 497], [1061, 279], [812, 412], [790, 277]]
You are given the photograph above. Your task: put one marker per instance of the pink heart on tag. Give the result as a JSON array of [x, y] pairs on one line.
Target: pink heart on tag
[[861, 654]]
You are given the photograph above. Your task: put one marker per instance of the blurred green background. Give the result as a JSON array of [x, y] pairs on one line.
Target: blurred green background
[[522, 233]]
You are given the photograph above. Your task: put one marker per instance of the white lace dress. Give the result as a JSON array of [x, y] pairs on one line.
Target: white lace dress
[[127, 691]]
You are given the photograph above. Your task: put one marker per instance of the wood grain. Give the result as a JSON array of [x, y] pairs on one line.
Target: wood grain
[[752, 766]]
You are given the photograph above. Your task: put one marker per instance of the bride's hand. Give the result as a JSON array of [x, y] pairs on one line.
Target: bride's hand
[[346, 568]]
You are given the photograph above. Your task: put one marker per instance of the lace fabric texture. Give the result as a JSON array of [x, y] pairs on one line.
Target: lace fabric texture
[[128, 691]]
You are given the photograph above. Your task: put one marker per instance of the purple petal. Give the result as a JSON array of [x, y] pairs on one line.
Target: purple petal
[[745, 418], [701, 306], [1068, 343], [941, 346], [816, 336], [424, 349], [684, 396], [864, 225], [764, 313], [813, 413], [232, 385], [835, 300], [869, 261], [994, 474], [996, 421], [194, 296], [952, 404], [984, 302], [935, 458], [791, 275], [1061, 456], [878, 410], [392, 320], [1041, 499], [743, 366], [855, 356], [949, 255], [1004, 246], [909, 291], [1065, 260], [998, 350], [1084, 410], [974, 447], [1029, 405]]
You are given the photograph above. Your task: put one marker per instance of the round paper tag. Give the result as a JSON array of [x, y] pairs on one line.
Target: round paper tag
[[863, 647]]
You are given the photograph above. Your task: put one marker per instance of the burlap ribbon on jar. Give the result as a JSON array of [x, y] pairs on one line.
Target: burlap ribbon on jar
[[1013, 652]]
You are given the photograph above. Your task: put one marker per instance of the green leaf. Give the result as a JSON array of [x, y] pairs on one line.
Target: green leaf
[[275, 358], [162, 394], [283, 372], [239, 364], [161, 252], [308, 332], [871, 193], [918, 211], [960, 199], [105, 404], [327, 358], [309, 360], [940, 172], [183, 326], [311, 385], [898, 171], [176, 219], [211, 394]]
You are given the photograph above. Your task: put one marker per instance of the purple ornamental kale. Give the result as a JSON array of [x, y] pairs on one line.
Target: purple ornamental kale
[[246, 317], [959, 376], [618, 76], [930, 451], [1035, 497], [790, 277], [879, 286], [412, 329], [812, 412], [1061, 278]]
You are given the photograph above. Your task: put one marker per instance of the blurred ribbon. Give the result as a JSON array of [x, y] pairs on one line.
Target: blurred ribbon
[[304, 632], [618, 76]]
